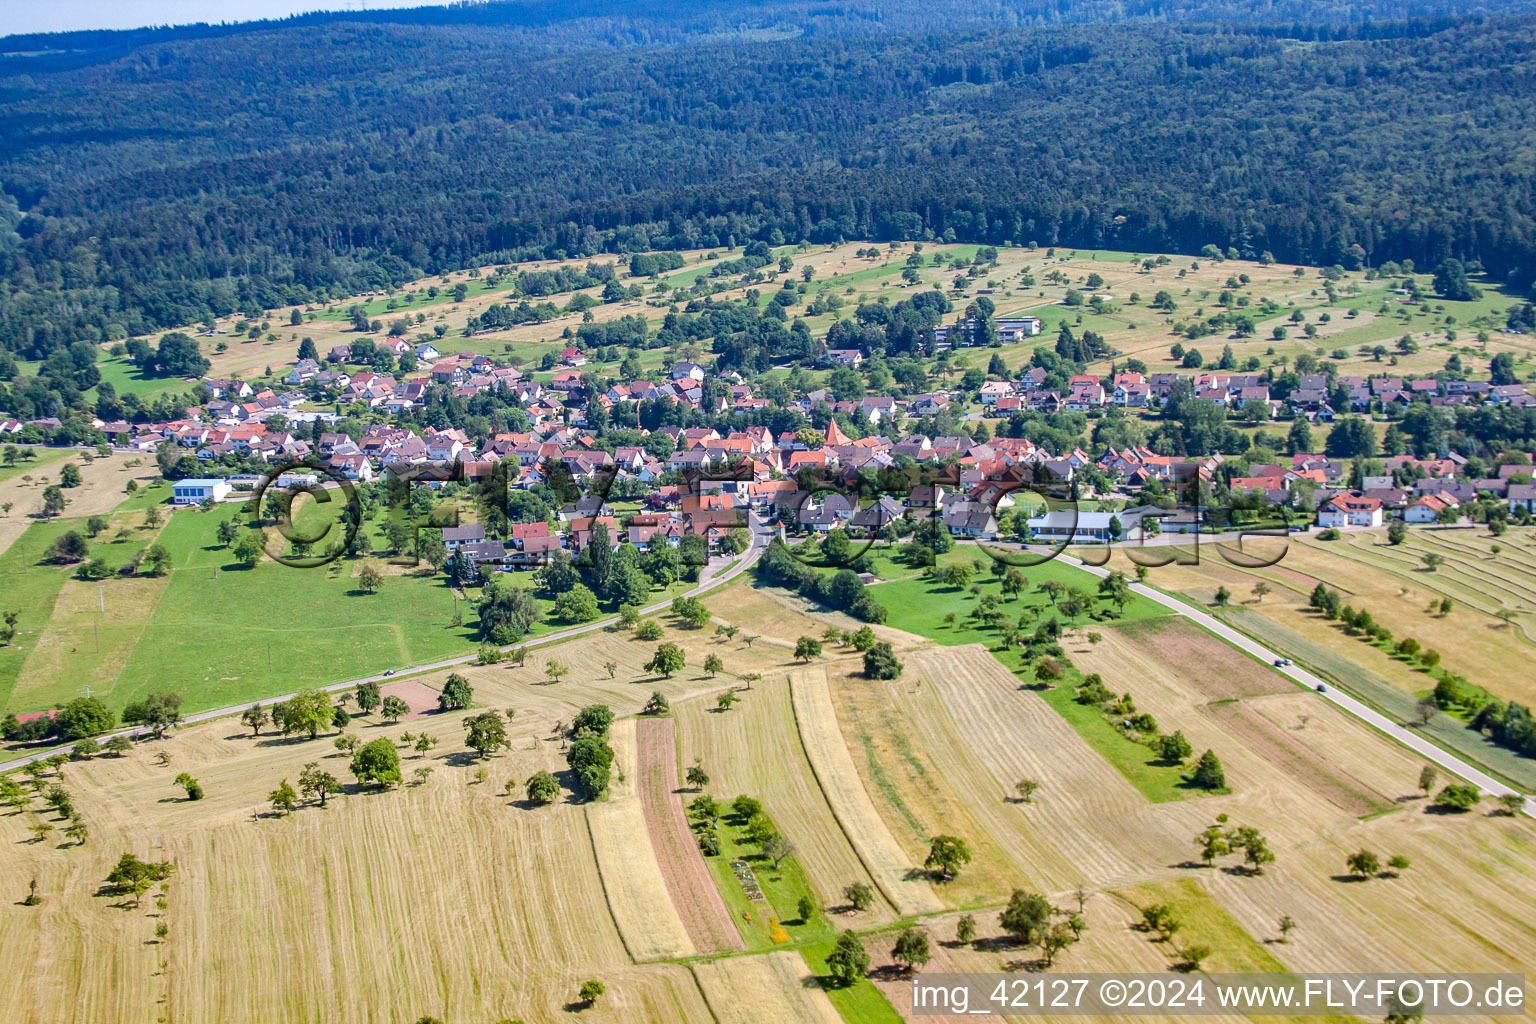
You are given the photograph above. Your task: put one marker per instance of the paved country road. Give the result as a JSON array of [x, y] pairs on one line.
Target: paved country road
[[710, 577], [1366, 714]]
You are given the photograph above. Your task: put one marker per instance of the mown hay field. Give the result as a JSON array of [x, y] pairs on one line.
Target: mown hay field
[[632, 877], [1393, 584], [446, 897], [756, 749]]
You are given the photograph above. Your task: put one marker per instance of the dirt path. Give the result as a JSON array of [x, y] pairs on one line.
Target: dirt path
[[693, 891]]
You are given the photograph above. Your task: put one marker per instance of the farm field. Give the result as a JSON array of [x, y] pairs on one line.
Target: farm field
[[511, 906], [100, 492], [632, 877], [1393, 584], [709, 924], [756, 749]]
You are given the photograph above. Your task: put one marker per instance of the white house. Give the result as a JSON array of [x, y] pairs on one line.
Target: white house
[[427, 352], [1349, 510], [195, 492]]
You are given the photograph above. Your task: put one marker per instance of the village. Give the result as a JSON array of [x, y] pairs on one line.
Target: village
[[676, 481]]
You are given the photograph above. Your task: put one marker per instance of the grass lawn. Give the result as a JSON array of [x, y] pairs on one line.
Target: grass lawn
[[1206, 922], [32, 586], [859, 1003], [128, 379], [782, 887]]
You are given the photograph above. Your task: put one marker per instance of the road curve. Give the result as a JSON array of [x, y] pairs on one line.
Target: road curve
[[1370, 716], [760, 532]]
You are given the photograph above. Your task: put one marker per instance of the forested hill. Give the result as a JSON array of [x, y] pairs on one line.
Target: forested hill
[[595, 23], [204, 175]]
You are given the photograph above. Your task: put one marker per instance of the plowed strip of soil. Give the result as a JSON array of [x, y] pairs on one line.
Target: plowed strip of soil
[[693, 891], [1217, 670], [1269, 741]]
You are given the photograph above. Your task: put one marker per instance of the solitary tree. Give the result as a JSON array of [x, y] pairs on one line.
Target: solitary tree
[[284, 798], [848, 960], [880, 662], [1427, 776], [254, 718], [656, 705], [456, 693], [486, 733], [859, 896], [807, 647], [776, 849], [1208, 773], [316, 783], [1287, 925], [543, 788], [1026, 789], [1026, 917], [393, 709], [667, 660], [377, 762], [965, 928], [590, 991], [911, 948], [713, 664], [727, 700], [697, 777], [190, 785], [1363, 863], [1174, 748], [947, 855]]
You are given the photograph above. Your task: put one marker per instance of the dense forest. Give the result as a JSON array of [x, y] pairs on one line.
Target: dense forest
[[243, 169]]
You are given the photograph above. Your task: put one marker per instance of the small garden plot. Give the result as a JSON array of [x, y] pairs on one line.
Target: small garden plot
[[744, 874]]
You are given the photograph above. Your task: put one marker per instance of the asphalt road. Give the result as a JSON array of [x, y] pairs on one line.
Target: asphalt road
[[711, 577]]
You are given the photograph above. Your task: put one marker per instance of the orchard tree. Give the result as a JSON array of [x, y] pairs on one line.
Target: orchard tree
[[316, 783], [486, 733], [947, 855], [284, 798], [667, 660], [1027, 917], [848, 961], [456, 693], [543, 788], [377, 762], [254, 718], [393, 709], [911, 949]]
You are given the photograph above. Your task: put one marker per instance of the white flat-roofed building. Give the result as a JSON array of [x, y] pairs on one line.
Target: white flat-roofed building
[[195, 492]]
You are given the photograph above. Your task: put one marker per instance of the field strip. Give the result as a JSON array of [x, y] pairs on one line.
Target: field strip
[[866, 830], [1359, 710], [687, 878], [769, 987], [632, 878]]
